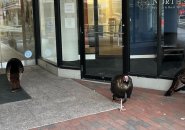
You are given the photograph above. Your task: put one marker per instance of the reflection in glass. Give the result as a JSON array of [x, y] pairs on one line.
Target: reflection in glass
[[104, 29], [47, 26], [143, 43], [16, 31], [173, 37], [103, 37], [70, 55]]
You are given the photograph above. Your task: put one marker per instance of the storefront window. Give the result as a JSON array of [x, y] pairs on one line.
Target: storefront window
[[173, 37], [69, 28], [16, 32], [103, 38], [143, 43], [47, 27]]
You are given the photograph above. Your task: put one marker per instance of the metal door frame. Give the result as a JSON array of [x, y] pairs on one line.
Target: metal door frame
[[125, 39]]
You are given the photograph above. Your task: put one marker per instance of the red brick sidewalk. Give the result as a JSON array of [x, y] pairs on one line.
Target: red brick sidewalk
[[146, 110]]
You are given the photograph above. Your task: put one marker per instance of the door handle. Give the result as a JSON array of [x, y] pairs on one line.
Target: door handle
[[120, 45], [81, 30]]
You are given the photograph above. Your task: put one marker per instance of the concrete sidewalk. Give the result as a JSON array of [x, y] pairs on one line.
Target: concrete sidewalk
[[53, 99]]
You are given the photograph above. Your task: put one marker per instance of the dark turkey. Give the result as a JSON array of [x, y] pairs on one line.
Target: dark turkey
[[178, 83], [14, 70], [121, 87]]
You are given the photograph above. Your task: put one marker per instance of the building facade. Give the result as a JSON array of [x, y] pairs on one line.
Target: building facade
[[97, 39]]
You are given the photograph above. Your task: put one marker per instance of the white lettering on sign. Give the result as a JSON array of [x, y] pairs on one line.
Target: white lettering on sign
[[143, 4]]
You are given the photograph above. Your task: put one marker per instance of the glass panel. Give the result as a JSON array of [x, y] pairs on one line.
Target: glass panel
[[143, 45], [16, 32], [69, 29], [173, 37], [103, 37], [47, 26]]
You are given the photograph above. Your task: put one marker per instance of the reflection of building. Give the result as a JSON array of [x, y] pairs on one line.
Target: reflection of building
[[12, 12], [1, 15], [16, 28]]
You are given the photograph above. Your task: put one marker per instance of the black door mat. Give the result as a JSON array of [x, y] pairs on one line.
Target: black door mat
[[6, 95]]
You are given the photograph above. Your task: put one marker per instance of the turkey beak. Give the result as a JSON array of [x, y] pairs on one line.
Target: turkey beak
[[126, 78]]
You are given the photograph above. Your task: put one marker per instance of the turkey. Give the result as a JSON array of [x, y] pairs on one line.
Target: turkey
[[14, 70], [121, 87], [178, 83]]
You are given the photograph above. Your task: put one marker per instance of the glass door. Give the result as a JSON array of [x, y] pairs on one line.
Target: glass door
[[172, 38], [143, 40], [103, 43]]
